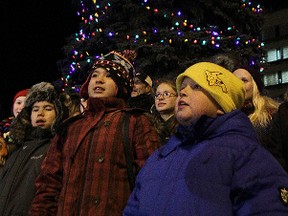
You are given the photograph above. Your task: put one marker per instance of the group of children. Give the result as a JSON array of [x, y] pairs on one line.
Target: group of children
[[210, 163]]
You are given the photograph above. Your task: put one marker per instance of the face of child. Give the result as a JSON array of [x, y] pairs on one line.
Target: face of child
[[193, 102], [101, 84], [246, 77], [18, 105], [165, 99], [139, 88], [43, 114]]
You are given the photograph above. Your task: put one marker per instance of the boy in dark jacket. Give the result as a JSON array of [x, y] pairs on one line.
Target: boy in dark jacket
[[88, 168], [214, 164], [31, 131]]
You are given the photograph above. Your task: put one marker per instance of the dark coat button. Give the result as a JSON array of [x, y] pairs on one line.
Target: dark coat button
[[96, 201]]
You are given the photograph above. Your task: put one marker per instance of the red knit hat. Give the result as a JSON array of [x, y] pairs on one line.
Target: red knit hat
[[22, 93]]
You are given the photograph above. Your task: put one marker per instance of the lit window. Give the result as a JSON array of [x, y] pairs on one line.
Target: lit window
[[270, 79], [278, 54], [285, 77], [271, 55], [285, 52]]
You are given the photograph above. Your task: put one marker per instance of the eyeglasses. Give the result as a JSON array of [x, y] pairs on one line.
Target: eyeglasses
[[164, 95]]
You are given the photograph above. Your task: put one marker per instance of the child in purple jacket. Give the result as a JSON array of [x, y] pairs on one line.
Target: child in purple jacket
[[214, 164]]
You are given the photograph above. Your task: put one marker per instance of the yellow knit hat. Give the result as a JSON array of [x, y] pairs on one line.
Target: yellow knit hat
[[226, 89]]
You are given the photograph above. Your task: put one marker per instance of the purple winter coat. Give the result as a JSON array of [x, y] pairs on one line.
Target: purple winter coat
[[215, 168]]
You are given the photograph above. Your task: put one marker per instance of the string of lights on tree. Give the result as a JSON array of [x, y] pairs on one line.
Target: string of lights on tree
[[176, 29]]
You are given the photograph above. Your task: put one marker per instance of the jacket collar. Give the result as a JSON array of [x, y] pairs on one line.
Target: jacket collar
[[105, 104], [207, 128]]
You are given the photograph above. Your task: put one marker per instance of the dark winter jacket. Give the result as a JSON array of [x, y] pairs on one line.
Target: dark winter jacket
[[215, 168], [278, 138], [17, 178], [85, 172], [142, 101]]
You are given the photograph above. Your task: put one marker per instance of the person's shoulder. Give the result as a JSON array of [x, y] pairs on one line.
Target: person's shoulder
[[134, 111], [62, 128], [138, 114], [239, 140]]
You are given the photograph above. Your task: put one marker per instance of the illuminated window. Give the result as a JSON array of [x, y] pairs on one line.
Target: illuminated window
[[270, 79], [277, 54], [271, 55], [285, 52], [285, 77]]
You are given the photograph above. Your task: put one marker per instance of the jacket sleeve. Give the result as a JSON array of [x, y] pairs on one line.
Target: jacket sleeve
[[132, 206], [259, 184], [144, 139], [49, 182]]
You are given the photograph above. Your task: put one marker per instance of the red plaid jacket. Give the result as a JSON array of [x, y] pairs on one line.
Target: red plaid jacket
[[84, 172]]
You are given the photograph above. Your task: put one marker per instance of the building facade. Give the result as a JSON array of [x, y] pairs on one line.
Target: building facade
[[275, 36]]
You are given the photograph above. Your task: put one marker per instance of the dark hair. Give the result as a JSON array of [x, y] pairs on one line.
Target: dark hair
[[71, 103], [229, 61]]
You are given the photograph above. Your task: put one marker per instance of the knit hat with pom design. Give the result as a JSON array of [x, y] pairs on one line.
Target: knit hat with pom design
[[121, 70], [226, 89]]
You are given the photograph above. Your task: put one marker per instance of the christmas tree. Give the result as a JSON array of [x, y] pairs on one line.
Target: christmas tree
[[168, 35]]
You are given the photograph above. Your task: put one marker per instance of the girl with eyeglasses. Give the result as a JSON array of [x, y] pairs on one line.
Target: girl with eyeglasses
[[163, 113]]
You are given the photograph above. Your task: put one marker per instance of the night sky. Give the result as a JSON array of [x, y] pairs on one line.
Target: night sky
[[33, 33]]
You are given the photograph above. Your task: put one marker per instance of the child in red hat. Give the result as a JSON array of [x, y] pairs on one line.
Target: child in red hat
[[18, 104], [18, 101]]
